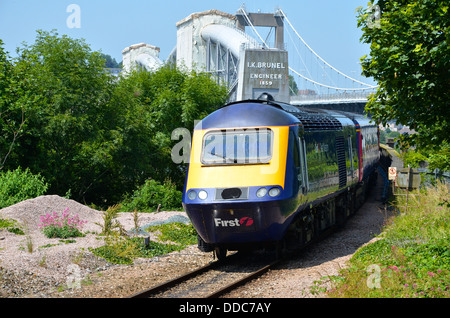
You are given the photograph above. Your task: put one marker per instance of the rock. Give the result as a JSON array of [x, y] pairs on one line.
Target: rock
[[172, 219]]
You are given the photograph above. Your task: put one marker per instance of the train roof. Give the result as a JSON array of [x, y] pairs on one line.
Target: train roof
[[254, 114], [272, 113]]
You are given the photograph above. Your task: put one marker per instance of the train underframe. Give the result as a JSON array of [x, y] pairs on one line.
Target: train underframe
[[278, 233]]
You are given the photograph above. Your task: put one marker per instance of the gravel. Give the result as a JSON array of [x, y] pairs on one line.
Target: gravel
[[71, 270], [53, 265], [295, 278]]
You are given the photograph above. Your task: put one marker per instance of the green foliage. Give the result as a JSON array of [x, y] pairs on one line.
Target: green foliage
[[410, 59], [180, 233], [440, 159], [12, 122], [437, 159], [61, 232], [110, 224], [293, 88], [66, 108], [121, 250], [152, 193], [19, 185], [413, 254], [64, 226], [11, 226], [384, 135], [162, 101], [117, 249], [412, 158], [110, 62]]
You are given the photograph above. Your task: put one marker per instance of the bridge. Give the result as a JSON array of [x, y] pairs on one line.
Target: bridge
[[233, 51]]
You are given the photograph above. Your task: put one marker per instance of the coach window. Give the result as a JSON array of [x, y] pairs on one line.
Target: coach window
[[294, 143], [350, 153], [303, 165]]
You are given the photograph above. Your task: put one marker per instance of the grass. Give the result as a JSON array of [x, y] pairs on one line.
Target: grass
[[122, 250], [11, 226], [182, 234], [411, 259]]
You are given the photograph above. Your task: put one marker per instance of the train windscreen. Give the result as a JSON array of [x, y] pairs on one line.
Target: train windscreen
[[239, 146]]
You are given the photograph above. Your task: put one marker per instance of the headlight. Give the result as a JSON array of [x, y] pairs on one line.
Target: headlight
[[274, 192], [202, 194], [192, 195], [261, 192]]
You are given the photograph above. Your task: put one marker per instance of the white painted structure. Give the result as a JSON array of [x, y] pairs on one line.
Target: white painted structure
[[141, 55], [191, 46]]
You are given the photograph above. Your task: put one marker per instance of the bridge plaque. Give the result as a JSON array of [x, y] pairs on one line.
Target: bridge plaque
[[263, 70]]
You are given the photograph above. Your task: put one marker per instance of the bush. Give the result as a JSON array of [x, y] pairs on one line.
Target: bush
[[122, 250], [63, 227], [179, 233], [147, 197], [110, 224], [412, 257], [11, 226], [19, 185]]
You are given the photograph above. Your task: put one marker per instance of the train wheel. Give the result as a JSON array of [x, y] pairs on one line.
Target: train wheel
[[281, 249], [203, 246], [221, 253]]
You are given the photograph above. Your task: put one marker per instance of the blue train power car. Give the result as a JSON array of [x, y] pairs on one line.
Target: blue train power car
[[263, 172]]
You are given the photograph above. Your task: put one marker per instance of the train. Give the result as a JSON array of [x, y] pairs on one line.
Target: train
[[264, 173]]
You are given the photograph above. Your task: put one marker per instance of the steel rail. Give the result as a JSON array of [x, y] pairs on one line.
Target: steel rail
[[194, 273], [173, 282], [242, 281]]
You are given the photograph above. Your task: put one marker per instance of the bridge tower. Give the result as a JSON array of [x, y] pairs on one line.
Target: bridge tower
[[216, 42], [274, 20], [263, 69], [192, 47], [141, 55]]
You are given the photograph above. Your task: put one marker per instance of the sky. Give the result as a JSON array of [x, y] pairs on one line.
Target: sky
[[328, 26]]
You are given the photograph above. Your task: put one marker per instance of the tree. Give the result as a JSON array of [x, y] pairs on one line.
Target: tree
[[90, 134], [293, 88], [12, 117], [70, 131], [110, 62], [164, 100], [7, 138], [410, 59]]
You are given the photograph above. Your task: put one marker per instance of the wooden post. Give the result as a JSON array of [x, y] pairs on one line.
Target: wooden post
[[407, 187]]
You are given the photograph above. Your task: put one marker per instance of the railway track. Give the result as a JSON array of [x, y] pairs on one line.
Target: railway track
[[213, 279], [219, 277]]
